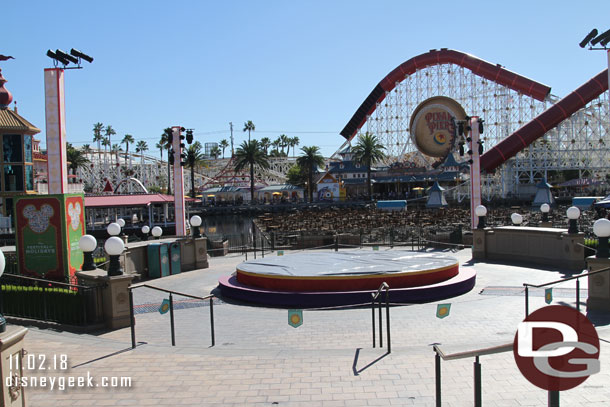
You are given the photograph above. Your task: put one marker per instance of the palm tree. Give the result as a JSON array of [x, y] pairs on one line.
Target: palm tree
[[223, 144], [367, 152], [76, 158], [97, 137], [165, 140], [109, 132], [86, 149], [250, 153], [215, 152], [294, 141], [128, 138], [284, 141], [249, 126], [265, 143], [276, 145], [106, 144], [310, 161], [161, 147], [115, 150], [194, 158], [141, 147]]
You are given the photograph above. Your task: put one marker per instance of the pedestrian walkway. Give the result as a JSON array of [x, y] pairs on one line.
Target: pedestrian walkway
[[259, 360]]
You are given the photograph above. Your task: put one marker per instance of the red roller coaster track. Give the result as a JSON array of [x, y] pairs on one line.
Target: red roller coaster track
[[480, 67], [544, 122]]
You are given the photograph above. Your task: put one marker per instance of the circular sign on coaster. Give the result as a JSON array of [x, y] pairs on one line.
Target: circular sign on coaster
[[556, 348], [432, 125]]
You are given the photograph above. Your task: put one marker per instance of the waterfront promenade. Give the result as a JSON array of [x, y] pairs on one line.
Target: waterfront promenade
[[259, 360]]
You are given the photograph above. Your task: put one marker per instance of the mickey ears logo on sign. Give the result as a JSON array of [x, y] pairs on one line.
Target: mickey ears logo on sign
[[74, 212], [38, 221]]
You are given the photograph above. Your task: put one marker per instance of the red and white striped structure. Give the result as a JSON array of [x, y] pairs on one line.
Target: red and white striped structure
[[56, 130], [179, 209]]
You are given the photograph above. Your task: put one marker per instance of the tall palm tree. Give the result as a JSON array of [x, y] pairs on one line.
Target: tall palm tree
[[194, 158], [294, 141], [249, 126], [215, 152], [115, 150], [310, 160], [367, 152], [98, 137], [76, 158], [276, 145], [86, 149], [165, 140], [127, 139], [265, 143], [223, 144], [109, 132], [250, 153], [284, 141], [106, 144], [161, 147], [141, 147]]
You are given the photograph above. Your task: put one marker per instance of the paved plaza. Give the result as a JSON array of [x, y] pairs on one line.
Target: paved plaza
[[259, 360]]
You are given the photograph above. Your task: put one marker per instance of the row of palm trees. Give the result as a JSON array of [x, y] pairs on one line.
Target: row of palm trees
[[250, 154]]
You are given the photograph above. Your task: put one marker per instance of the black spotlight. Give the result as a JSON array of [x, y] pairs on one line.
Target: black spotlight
[[57, 58], [81, 55], [588, 38], [65, 56], [600, 37]]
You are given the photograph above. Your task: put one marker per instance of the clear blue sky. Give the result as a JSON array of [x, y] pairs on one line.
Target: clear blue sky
[[299, 68]]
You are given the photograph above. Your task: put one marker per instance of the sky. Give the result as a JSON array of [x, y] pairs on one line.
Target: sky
[[295, 68]]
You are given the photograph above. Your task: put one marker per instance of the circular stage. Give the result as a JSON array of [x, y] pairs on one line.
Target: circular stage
[[347, 271], [321, 279]]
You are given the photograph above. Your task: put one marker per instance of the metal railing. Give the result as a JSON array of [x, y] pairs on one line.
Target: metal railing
[[171, 310], [439, 354], [377, 297], [51, 301], [577, 278]]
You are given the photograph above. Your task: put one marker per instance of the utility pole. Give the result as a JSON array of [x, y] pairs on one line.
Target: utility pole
[[231, 125]]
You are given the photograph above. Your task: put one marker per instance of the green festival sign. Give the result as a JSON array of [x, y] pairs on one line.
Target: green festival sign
[[49, 228]]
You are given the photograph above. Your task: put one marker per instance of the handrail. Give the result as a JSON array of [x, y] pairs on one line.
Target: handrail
[[171, 310], [577, 278], [375, 296], [138, 285], [478, 352], [439, 354]]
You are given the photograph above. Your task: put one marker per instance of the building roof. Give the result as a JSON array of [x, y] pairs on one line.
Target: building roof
[[225, 189], [12, 122], [112, 200], [348, 166], [280, 188]]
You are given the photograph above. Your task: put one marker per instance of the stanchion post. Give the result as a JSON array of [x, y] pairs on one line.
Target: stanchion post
[[387, 318], [527, 305], [132, 321], [477, 383], [437, 371], [380, 324], [578, 294], [212, 320], [171, 318], [553, 400], [373, 319]]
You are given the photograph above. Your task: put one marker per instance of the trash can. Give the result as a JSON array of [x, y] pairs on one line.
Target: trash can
[[175, 258], [158, 260]]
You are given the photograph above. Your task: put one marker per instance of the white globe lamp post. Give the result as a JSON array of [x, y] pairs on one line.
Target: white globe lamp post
[[545, 209], [114, 229], [195, 223], [157, 232], [573, 214], [516, 219], [481, 212], [114, 246], [601, 228], [87, 244]]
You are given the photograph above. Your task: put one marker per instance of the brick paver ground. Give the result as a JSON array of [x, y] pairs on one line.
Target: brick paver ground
[[259, 360]]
